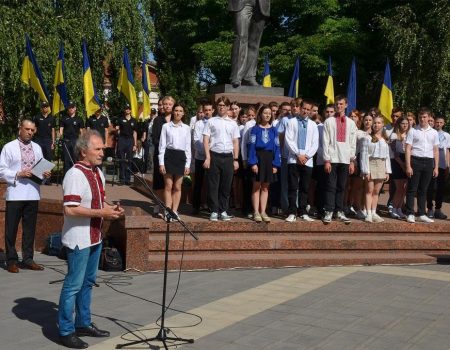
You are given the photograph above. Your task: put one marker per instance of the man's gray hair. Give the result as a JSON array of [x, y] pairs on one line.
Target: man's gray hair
[[83, 142]]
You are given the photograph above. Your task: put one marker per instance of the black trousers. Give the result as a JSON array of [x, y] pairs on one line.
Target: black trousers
[[15, 211], [198, 183], [336, 182], [247, 183], [299, 178], [321, 178], [68, 147], [436, 190], [220, 178], [275, 191], [125, 152], [418, 183], [46, 146]]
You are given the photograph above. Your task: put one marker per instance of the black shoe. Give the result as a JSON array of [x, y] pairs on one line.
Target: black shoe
[[128, 183], [195, 211], [91, 331], [236, 84], [73, 342], [439, 215]]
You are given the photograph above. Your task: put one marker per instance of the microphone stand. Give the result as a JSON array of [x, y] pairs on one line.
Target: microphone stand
[[163, 331]]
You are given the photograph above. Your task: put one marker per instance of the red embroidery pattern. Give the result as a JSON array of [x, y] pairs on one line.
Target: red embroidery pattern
[[72, 198], [97, 201], [341, 128]]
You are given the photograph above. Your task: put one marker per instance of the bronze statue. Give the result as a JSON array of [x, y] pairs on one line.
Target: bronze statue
[[249, 20]]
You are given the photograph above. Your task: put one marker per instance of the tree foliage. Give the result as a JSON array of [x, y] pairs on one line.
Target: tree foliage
[[413, 34], [106, 25]]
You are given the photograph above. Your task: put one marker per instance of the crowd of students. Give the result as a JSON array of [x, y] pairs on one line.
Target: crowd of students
[[290, 160]]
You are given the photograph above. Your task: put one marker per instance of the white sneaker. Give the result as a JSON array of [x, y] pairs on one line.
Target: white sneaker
[[426, 219], [306, 217], [368, 218], [411, 219], [390, 208], [377, 218], [401, 214], [327, 217], [360, 215], [308, 208], [430, 213], [341, 216], [291, 218]]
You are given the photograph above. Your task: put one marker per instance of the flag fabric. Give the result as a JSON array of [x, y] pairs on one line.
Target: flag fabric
[[295, 81], [60, 100], [146, 88], [329, 88], [267, 82], [351, 89], [31, 74], [125, 85], [91, 101], [386, 103]]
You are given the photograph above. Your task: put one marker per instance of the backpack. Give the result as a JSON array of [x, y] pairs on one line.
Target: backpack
[[110, 260]]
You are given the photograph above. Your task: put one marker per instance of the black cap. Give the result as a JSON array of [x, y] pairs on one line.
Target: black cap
[[127, 106], [153, 110], [44, 104], [71, 104]]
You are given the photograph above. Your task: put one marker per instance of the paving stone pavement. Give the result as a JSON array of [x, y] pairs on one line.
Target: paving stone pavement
[[330, 308]]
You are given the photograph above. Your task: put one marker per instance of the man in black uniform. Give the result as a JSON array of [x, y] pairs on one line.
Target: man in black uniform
[[98, 122], [70, 128], [126, 145], [45, 131]]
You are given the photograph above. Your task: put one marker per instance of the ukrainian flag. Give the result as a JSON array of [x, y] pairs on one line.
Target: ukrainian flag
[[146, 86], [267, 82], [386, 103], [60, 100], [91, 101], [295, 81], [126, 82], [31, 74], [329, 89]]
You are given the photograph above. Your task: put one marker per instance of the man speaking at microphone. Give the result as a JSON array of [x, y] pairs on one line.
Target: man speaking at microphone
[[84, 211]]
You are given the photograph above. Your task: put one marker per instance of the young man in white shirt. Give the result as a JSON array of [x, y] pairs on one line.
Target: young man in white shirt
[[302, 141], [221, 142], [199, 156], [339, 148], [422, 163]]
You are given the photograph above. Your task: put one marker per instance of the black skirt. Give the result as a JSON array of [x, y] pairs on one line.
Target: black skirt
[[397, 171], [265, 167], [175, 161]]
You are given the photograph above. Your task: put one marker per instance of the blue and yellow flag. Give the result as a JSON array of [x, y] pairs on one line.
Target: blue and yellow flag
[[267, 82], [125, 85], [329, 89], [386, 103], [91, 101], [146, 86], [60, 100], [295, 81], [31, 74], [351, 89]]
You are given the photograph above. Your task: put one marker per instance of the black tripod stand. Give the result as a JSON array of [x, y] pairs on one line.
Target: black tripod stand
[[163, 330]]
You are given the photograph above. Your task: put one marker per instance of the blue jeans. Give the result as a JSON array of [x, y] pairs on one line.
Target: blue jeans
[[76, 292]]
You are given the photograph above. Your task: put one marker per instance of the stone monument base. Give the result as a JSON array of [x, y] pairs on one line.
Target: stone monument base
[[249, 95]]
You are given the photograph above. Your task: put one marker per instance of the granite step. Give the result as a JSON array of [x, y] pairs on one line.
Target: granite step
[[219, 261]]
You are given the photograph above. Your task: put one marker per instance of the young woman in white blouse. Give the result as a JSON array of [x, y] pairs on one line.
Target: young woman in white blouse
[[174, 156], [375, 167], [398, 144]]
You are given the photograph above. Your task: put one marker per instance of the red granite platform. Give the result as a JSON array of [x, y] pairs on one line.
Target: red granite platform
[[243, 243]]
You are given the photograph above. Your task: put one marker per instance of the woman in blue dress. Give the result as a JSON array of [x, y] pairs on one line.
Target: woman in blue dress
[[263, 160]]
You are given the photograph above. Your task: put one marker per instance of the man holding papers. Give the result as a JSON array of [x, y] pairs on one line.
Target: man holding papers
[[22, 195]]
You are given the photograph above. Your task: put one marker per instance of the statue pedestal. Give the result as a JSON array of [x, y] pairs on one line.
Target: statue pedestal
[[249, 95]]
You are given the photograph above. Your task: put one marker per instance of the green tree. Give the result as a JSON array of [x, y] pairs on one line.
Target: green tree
[[107, 26]]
